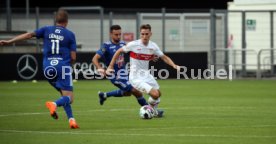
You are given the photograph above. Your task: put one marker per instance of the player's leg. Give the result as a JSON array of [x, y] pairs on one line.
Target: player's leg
[[115, 93], [57, 83], [154, 98], [139, 96], [65, 101], [125, 89], [154, 93], [128, 89], [144, 87], [154, 101], [65, 86], [151, 87], [67, 108], [104, 95], [52, 81]]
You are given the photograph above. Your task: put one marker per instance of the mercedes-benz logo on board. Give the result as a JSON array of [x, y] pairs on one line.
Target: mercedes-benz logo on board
[[27, 67]]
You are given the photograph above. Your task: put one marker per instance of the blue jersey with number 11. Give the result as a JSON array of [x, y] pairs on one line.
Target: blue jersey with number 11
[[58, 42]]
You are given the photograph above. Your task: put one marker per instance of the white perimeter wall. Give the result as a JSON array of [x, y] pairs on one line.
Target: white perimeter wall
[[255, 39]]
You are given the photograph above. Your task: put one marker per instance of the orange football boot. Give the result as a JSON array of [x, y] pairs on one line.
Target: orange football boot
[[52, 108], [73, 124]]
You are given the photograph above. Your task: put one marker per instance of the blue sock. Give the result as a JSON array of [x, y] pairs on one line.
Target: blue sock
[[115, 93], [142, 101], [63, 100], [67, 108]]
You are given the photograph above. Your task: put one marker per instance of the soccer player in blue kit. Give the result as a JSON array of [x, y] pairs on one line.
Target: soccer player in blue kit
[[120, 79], [59, 53]]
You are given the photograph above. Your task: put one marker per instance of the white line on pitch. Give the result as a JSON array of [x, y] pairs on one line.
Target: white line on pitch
[[144, 134], [20, 114], [40, 113], [122, 109]]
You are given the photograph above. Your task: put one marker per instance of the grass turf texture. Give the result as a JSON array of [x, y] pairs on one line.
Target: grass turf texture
[[196, 111]]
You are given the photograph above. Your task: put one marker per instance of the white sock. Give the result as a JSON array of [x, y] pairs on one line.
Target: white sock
[[153, 102], [71, 119]]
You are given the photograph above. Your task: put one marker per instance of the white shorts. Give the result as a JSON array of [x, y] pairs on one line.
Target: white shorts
[[144, 85]]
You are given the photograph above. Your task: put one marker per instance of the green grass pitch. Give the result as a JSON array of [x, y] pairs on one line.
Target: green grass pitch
[[196, 111]]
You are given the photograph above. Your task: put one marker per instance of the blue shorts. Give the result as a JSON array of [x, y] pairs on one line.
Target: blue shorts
[[58, 75], [122, 84]]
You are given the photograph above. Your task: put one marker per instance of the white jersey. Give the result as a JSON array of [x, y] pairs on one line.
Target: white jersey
[[140, 55]]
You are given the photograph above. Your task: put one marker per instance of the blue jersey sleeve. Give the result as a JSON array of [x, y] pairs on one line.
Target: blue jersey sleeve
[[40, 32], [73, 45], [101, 51]]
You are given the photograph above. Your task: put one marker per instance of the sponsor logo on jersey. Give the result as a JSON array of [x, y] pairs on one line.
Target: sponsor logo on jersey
[[112, 47], [54, 62], [141, 56]]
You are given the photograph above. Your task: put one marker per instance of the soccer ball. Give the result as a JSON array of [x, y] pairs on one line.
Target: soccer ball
[[146, 112]]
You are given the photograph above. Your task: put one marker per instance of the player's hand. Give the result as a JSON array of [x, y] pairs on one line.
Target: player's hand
[[177, 67], [4, 42], [109, 70], [101, 71], [155, 58]]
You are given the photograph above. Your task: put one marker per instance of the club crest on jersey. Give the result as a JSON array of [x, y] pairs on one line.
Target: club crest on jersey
[[57, 31], [54, 62], [103, 50], [120, 61]]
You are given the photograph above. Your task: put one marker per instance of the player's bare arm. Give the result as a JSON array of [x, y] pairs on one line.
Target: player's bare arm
[[155, 58], [169, 61], [111, 65], [73, 57], [95, 61], [18, 38]]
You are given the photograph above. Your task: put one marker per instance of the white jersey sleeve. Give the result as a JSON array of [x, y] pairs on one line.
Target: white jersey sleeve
[[157, 51], [129, 47]]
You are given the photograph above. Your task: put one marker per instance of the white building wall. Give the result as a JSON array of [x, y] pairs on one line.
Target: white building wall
[[255, 39]]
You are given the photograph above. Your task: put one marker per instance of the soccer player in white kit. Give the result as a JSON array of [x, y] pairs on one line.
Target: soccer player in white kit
[[141, 52]]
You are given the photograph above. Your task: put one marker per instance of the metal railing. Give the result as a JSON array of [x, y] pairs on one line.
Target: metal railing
[[259, 71], [260, 61], [231, 56]]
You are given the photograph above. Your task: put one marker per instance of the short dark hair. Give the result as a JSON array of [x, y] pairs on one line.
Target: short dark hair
[[115, 27], [145, 26], [61, 16]]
